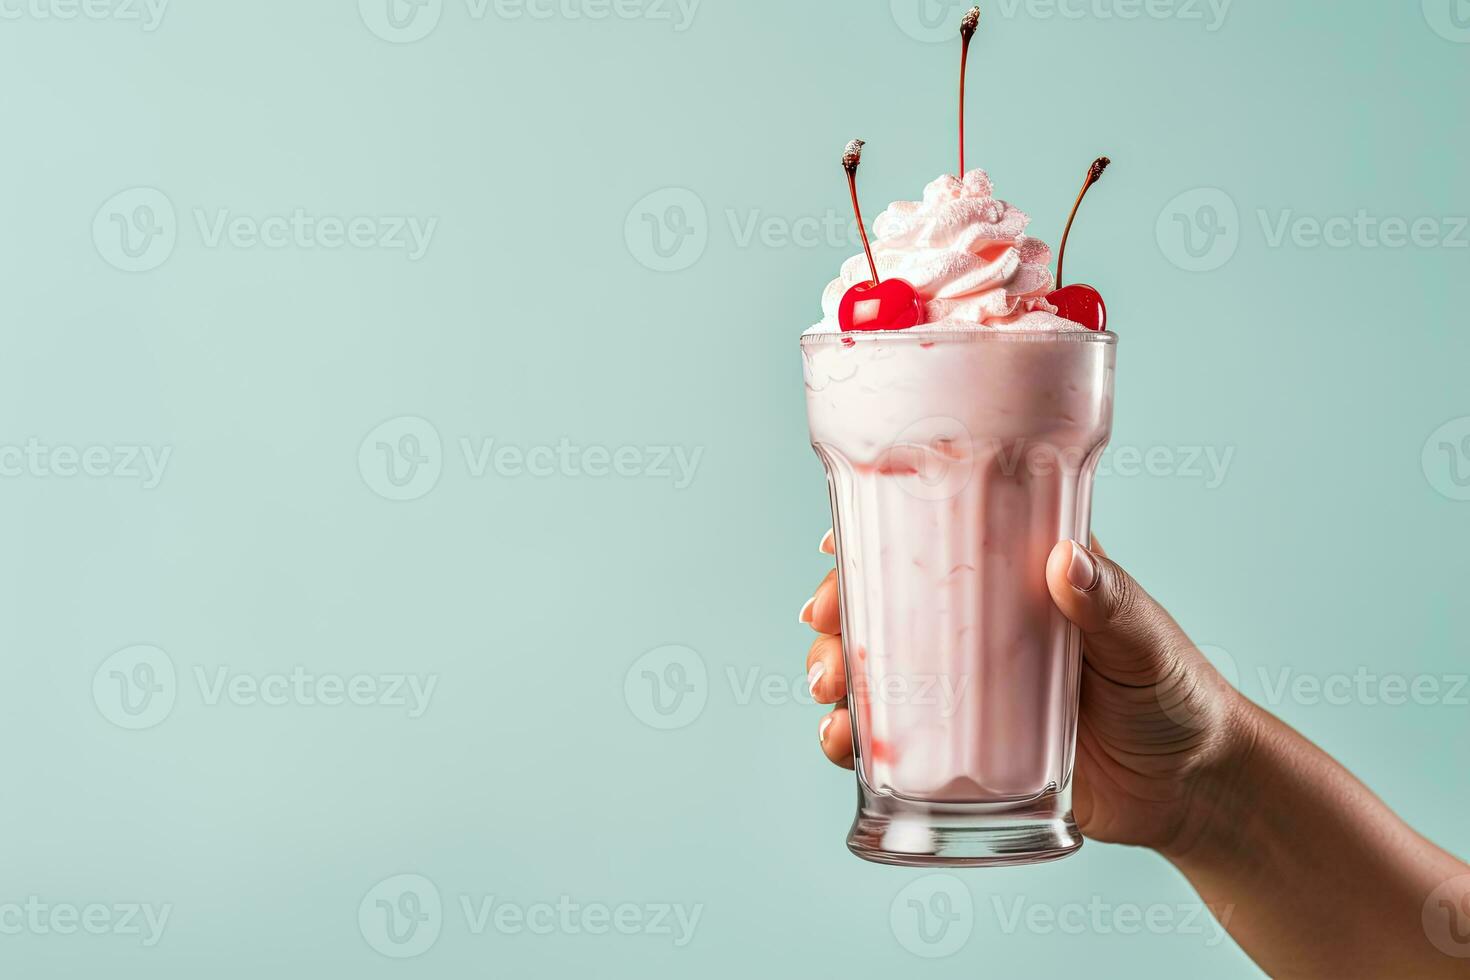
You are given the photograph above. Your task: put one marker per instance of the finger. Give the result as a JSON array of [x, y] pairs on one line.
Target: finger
[[1097, 548], [825, 674], [829, 543], [1129, 636], [825, 615], [835, 732]]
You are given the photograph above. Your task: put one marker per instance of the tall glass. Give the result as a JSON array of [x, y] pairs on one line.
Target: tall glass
[[956, 461]]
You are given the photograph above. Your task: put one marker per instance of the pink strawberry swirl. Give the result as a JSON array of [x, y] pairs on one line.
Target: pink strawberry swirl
[[967, 255]]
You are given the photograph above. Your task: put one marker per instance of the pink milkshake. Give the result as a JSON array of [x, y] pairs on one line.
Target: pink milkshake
[[958, 453]]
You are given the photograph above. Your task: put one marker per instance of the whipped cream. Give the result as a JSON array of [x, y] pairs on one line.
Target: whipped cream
[[967, 255]]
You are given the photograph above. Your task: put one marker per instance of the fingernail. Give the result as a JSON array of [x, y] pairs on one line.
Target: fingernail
[[814, 675], [1082, 572], [828, 545], [822, 729], [806, 611]]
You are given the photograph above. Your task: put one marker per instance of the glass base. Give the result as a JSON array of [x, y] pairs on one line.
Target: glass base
[[915, 834]]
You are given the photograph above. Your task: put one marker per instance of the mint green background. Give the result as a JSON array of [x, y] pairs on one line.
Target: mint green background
[[1326, 549]]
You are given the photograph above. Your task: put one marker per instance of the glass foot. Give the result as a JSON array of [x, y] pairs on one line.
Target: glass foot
[[911, 833]]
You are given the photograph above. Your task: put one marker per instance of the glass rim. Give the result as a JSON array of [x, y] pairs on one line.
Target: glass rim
[[963, 336]]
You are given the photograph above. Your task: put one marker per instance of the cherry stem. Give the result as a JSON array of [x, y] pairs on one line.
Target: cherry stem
[[1093, 174], [967, 31], [850, 161]]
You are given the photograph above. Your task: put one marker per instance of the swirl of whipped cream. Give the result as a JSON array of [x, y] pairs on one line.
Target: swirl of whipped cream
[[967, 255]]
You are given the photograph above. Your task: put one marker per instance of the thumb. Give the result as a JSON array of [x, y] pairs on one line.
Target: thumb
[[1129, 637]]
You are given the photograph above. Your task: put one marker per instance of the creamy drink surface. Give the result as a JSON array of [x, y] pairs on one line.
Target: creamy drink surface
[[957, 459]]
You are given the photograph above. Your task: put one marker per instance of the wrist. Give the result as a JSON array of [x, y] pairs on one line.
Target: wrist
[[1218, 805]]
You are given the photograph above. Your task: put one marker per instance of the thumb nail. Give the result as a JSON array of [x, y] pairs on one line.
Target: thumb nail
[[1082, 571]]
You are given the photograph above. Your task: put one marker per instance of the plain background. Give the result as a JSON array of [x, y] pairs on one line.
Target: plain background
[[1332, 548]]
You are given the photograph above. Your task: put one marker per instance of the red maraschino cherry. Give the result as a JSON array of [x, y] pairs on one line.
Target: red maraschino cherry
[[890, 304], [1079, 303]]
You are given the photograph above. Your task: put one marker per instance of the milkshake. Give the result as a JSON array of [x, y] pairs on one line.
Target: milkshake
[[960, 420], [956, 460]]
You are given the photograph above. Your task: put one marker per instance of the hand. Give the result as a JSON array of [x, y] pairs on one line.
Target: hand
[[1159, 727]]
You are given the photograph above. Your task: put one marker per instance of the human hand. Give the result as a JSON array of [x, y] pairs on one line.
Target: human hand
[[1159, 728]]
